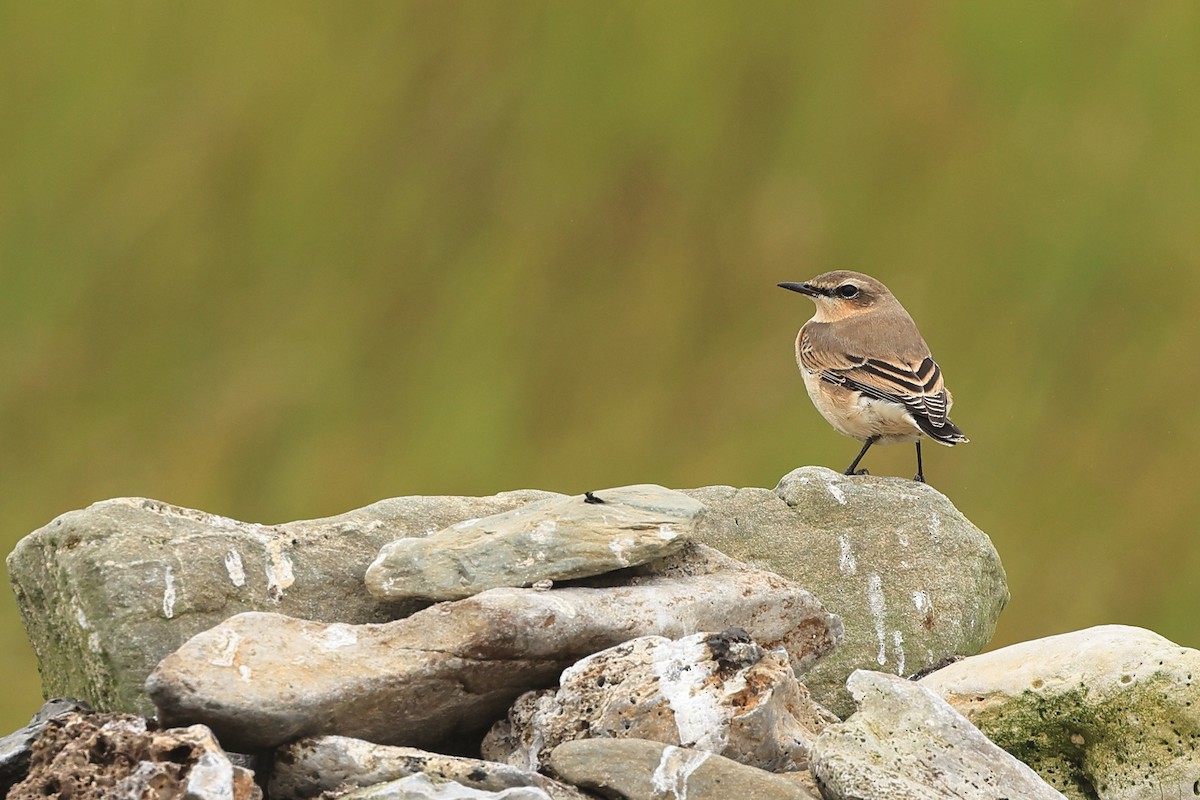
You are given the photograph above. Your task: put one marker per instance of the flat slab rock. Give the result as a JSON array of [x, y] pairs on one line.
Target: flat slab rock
[[106, 756], [638, 769], [106, 592], [717, 692], [907, 743], [260, 680], [306, 768], [1111, 712], [424, 787], [555, 539]]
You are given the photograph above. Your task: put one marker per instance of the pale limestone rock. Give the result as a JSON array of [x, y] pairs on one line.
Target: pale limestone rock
[[638, 769], [912, 578], [306, 768], [451, 670], [718, 692], [423, 787], [906, 743], [1111, 712], [554, 539]]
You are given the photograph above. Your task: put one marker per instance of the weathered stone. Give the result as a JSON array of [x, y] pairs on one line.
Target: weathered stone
[[912, 578], [718, 692], [106, 592], [16, 747], [308, 767], [906, 743], [554, 539], [1107, 713], [639, 769], [423, 787], [107, 756], [262, 679]]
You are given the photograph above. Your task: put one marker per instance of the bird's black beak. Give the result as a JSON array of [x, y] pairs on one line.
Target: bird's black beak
[[802, 288]]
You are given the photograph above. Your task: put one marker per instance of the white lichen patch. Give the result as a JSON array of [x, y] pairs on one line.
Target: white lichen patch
[[233, 566], [847, 563], [168, 601], [279, 570], [875, 602], [682, 669], [898, 648], [837, 492], [674, 770], [244, 671], [921, 601], [335, 636]]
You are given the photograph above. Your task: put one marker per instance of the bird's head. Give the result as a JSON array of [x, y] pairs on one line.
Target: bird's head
[[842, 293]]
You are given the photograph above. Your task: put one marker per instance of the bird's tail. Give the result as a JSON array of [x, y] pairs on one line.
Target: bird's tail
[[947, 434]]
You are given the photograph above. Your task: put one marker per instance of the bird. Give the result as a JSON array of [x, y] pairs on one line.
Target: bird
[[867, 369]]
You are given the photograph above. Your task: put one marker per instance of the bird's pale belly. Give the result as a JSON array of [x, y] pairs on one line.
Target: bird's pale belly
[[859, 417]]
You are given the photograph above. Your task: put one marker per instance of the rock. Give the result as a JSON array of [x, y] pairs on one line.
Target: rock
[[717, 692], [906, 743], [554, 539], [16, 747], [261, 679], [423, 787], [643, 770], [308, 767], [913, 580], [1111, 712], [105, 593], [106, 756]]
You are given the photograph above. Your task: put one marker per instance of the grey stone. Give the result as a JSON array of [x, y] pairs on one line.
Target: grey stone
[[906, 743], [106, 592], [261, 679], [1111, 712], [309, 767], [423, 787], [718, 692], [16, 747], [638, 769], [114, 756], [913, 580], [554, 539]]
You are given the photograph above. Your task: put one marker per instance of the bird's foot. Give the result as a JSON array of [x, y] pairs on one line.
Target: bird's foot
[[856, 472], [919, 478]]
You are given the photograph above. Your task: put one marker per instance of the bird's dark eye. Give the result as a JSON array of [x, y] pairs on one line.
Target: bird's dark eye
[[848, 290]]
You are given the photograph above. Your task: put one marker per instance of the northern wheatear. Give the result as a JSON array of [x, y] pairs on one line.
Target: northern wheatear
[[867, 369]]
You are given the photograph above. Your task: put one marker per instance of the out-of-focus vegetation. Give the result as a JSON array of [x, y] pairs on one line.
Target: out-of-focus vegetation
[[277, 261]]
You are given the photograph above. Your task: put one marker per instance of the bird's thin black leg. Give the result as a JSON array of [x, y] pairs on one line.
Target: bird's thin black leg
[[920, 476], [866, 446]]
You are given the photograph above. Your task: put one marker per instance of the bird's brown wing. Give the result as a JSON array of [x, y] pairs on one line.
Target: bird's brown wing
[[916, 383]]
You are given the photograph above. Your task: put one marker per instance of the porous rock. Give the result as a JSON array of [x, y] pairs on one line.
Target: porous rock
[[717, 692], [16, 747], [106, 592], [1110, 712], [559, 538], [638, 769], [913, 580], [106, 756], [907, 743], [450, 670], [310, 767]]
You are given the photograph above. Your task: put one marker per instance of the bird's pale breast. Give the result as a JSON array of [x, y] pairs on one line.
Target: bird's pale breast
[[857, 416]]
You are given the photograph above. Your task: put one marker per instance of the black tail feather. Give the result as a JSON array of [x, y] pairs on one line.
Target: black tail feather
[[947, 434]]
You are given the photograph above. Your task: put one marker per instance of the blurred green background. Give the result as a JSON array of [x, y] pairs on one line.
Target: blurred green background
[[280, 260]]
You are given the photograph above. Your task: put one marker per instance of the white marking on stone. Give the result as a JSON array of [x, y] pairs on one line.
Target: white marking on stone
[[217, 521], [902, 537], [244, 671], [544, 531], [226, 650], [898, 644], [233, 565], [674, 770], [666, 532], [168, 604], [837, 493], [620, 546], [279, 570], [700, 717], [847, 563], [466, 523], [81, 618], [211, 777], [335, 636], [920, 600], [876, 602], [94, 642]]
